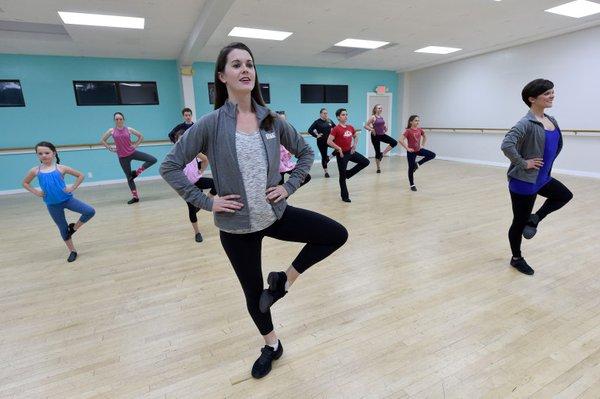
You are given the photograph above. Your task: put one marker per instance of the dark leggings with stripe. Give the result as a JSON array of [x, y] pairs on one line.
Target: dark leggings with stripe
[[125, 162], [322, 237]]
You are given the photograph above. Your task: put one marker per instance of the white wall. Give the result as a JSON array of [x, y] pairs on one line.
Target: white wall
[[485, 92]]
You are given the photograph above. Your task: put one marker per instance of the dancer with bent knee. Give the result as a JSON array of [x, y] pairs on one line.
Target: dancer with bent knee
[[532, 145], [126, 151], [376, 125], [413, 140], [241, 138]]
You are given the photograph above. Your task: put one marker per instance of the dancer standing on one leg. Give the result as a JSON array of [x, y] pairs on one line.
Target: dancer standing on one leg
[[320, 130], [56, 194], [532, 145], [241, 138], [376, 125], [287, 166], [414, 140], [126, 150], [343, 138], [194, 171], [185, 125]]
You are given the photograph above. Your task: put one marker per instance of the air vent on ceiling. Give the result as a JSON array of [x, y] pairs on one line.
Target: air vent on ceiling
[[345, 52]]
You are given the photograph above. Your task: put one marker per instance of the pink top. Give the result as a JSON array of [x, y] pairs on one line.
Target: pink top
[[122, 139], [285, 160], [414, 137], [191, 171]]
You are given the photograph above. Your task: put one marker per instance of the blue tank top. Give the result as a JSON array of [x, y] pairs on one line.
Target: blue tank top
[[550, 150], [53, 185]]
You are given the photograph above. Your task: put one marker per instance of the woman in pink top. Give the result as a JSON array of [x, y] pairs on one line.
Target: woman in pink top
[[287, 165], [413, 140], [126, 151], [194, 171]]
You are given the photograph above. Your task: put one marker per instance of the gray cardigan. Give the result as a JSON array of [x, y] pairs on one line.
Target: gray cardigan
[[526, 140], [214, 135]]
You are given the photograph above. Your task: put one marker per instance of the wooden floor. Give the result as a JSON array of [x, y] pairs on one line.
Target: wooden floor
[[420, 302]]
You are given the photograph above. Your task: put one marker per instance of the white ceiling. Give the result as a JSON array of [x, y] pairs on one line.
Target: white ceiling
[[476, 26]]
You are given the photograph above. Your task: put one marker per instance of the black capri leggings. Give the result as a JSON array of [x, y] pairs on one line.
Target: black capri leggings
[[377, 139], [411, 157], [125, 162], [321, 234], [557, 196], [203, 184]]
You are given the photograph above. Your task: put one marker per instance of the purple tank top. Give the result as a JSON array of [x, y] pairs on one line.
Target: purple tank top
[[122, 139], [379, 125]]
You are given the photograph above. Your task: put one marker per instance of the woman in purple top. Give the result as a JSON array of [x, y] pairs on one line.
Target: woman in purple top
[[532, 145], [126, 151], [376, 125]]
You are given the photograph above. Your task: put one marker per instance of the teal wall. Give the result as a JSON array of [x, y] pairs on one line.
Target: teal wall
[[285, 84], [51, 112]]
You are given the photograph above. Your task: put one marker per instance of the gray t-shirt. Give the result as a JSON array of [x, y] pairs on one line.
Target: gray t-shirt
[[252, 159]]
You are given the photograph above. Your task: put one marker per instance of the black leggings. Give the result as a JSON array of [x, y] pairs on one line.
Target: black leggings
[[411, 157], [322, 236], [342, 163], [289, 172], [323, 148], [203, 184], [556, 194], [125, 162], [377, 139]]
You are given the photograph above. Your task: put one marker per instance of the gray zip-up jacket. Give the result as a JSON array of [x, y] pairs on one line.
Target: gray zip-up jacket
[[526, 140], [214, 135]]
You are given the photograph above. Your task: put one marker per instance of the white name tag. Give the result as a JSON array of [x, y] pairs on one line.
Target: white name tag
[[270, 135]]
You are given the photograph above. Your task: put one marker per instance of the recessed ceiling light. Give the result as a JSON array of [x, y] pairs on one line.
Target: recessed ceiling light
[[576, 9], [358, 43], [112, 21], [437, 50], [259, 33]]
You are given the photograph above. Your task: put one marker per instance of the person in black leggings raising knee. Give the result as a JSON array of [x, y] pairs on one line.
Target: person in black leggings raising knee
[[414, 140], [343, 138], [320, 130], [241, 139], [532, 145]]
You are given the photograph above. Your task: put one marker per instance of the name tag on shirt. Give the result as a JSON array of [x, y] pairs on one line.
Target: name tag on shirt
[[270, 135]]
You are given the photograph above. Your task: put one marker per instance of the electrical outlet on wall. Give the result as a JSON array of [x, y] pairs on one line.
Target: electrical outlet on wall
[[90, 175]]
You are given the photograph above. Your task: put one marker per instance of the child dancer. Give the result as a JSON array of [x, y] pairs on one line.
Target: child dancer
[[56, 194]]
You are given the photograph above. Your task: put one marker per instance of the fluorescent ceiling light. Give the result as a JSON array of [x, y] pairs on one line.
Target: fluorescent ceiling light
[[437, 50], [259, 33], [358, 43], [113, 21], [576, 9]]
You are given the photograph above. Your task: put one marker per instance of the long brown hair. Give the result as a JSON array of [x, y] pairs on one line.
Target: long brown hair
[[412, 118]]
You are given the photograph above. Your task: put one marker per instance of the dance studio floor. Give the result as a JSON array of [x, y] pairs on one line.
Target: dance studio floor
[[419, 303]]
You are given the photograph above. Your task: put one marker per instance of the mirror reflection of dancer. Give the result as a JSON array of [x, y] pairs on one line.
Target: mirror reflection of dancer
[[376, 125], [532, 145], [320, 130], [414, 140], [57, 196], [126, 151], [343, 138], [241, 138], [185, 125]]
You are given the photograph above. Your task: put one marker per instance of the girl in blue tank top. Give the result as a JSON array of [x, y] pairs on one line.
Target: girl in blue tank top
[[56, 194]]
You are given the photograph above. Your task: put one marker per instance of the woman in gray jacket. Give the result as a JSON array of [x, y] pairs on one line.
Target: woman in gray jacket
[[241, 138], [532, 145]]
